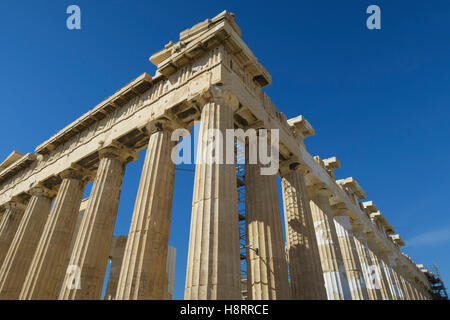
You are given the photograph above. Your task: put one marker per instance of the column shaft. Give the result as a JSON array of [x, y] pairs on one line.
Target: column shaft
[[352, 265], [370, 270], [45, 275], [8, 226], [267, 273], [412, 293], [304, 261], [381, 275], [213, 270], [23, 246], [404, 284], [389, 276], [333, 267], [144, 262], [93, 240], [398, 283]]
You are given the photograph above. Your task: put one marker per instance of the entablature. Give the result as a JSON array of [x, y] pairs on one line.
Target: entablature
[[100, 112]]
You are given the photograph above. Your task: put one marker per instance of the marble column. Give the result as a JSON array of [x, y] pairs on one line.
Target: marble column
[[379, 267], [213, 267], [46, 272], [396, 278], [8, 226], [412, 293], [116, 255], [23, 246], [403, 281], [333, 267], [389, 275], [370, 270], [352, 265], [144, 262], [93, 241], [418, 290], [305, 269], [409, 279], [267, 271]]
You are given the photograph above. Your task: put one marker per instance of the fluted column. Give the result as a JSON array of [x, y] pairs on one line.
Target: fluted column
[[370, 270], [379, 267], [333, 267], [46, 272], [413, 286], [213, 269], [8, 226], [23, 246], [305, 269], [418, 290], [424, 291], [412, 293], [396, 278], [93, 240], [116, 255], [404, 282], [415, 289], [144, 262], [389, 275], [267, 273], [352, 265]]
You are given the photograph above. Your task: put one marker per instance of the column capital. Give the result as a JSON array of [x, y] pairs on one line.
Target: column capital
[[15, 204], [217, 93], [119, 151], [165, 123], [319, 189], [291, 166], [77, 172], [40, 190]]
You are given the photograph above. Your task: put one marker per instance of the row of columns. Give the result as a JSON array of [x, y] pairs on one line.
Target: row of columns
[[326, 255]]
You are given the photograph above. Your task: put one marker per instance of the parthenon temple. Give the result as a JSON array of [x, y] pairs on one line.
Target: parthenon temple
[[336, 244]]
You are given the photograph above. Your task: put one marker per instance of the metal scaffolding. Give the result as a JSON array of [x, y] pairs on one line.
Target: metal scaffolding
[[438, 290]]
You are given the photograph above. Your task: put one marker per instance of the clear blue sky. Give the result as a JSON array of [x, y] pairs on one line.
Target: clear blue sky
[[378, 100]]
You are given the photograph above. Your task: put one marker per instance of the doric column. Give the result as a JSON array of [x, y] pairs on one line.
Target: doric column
[[333, 267], [416, 290], [396, 277], [423, 291], [383, 258], [352, 265], [379, 267], [404, 282], [23, 246], [412, 293], [93, 240], [9, 224], [415, 287], [305, 269], [116, 255], [267, 271], [46, 272], [370, 270], [213, 268], [144, 262]]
